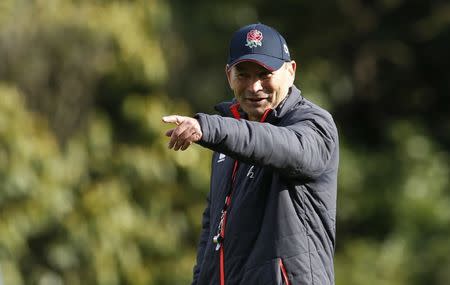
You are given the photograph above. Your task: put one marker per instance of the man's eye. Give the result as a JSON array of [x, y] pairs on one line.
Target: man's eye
[[265, 75]]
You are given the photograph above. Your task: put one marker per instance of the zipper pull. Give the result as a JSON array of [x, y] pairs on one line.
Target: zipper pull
[[217, 239]]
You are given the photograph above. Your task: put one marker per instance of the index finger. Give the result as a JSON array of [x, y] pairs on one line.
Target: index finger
[[172, 119]]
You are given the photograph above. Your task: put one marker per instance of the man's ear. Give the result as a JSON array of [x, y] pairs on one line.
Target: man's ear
[[292, 67]]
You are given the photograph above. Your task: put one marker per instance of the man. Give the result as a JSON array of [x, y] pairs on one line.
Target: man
[[270, 215]]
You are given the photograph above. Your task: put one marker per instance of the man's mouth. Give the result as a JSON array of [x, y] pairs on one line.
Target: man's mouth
[[256, 99]]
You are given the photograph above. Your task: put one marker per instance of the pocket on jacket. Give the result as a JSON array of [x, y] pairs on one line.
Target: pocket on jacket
[[272, 272]]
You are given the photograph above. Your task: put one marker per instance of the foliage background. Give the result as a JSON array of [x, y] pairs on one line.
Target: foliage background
[[89, 193]]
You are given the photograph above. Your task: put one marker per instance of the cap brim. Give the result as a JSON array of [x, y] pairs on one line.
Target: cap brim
[[268, 62]]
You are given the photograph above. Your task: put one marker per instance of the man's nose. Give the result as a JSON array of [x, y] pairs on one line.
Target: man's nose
[[255, 85]]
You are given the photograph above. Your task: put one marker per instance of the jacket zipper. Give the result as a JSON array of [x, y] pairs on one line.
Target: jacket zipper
[[284, 272], [219, 238]]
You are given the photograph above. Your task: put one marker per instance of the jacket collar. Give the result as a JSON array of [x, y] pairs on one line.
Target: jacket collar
[[230, 108]]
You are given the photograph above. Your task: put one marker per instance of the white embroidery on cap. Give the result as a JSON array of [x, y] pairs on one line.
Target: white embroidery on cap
[[286, 50]]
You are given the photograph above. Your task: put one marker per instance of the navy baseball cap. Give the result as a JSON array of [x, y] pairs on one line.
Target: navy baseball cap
[[258, 43]]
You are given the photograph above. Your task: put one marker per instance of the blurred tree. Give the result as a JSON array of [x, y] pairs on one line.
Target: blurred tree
[[89, 193]]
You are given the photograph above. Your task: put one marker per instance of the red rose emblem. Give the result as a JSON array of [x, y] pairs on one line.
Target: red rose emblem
[[254, 35], [254, 38]]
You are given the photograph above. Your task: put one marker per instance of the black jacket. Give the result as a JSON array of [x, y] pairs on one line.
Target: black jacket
[[280, 223]]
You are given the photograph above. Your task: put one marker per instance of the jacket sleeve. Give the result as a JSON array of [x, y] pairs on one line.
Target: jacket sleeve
[[204, 235], [301, 148]]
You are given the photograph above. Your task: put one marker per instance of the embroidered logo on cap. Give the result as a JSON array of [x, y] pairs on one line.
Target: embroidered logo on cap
[[286, 50], [254, 39]]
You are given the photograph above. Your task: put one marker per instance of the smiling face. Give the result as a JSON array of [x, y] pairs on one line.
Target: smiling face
[[257, 88]]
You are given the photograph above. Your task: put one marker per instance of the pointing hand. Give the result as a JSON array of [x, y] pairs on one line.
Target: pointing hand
[[184, 134]]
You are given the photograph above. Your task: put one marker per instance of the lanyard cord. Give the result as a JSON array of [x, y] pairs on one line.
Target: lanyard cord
[[218, 239]]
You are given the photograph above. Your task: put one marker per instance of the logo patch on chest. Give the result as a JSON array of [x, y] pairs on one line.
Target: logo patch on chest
[[250, 173], [221, 157]]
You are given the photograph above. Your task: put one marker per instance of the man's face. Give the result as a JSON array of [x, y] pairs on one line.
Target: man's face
[[258, 89]]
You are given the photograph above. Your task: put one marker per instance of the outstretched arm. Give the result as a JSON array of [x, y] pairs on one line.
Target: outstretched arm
[[301, 148]]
